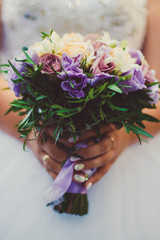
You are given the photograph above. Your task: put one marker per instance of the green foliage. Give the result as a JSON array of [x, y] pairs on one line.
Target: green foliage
[[44, 103]]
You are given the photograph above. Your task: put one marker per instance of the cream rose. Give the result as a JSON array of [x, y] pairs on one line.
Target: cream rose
[[72, 37]]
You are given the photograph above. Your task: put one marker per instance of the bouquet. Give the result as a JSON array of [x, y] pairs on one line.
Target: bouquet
[[74, 84]]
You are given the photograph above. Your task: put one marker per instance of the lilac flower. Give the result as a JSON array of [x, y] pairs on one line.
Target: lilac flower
[[136, 82], [72, 64], [74, 83], [99, 78], [137, 55], [20, 66]]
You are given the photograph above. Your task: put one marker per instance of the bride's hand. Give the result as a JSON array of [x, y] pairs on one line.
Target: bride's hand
[[50, 154], [100, 155]]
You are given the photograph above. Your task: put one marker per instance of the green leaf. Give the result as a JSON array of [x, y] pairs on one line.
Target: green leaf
[[4, 71], [93, 116], [151, 84], [51, 32], [16, 81], [41, 97], [24, 144], [114, 88], [19, 105], [4, 65], [149, 118], [101, 113], [113, 107], [24, 48], [136, 129], [56, 106], [29, 58], [26, 118], [90, 94], [55, 132], [16, 71], [57, 136]]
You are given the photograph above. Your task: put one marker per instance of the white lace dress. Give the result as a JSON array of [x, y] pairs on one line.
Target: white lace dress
[[125, 204]]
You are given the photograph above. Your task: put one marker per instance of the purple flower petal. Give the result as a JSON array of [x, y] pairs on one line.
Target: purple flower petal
[[99, 78]]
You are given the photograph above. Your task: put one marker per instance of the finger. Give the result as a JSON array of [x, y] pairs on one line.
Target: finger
[[95, 150], [80, 177], [91, 133], [51, 164], [64, 141], [53, 150], [98, 174], [94, 163]]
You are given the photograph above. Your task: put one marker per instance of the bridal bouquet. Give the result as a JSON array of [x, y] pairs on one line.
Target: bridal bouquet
[[74, 84]]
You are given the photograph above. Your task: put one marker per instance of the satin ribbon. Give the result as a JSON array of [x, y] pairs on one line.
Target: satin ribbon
[[63, 182]]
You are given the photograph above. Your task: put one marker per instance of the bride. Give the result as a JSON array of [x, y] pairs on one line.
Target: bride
[[125, 203]]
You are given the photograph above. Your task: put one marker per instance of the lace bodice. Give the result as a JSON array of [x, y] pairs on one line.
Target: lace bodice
[[23, 20]]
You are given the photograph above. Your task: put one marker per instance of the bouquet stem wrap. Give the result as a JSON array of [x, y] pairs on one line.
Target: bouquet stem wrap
[[64, 193]]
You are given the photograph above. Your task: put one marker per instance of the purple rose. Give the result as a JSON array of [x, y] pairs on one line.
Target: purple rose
[[50, 62], [99, 66], [74, 83], [100, 78], [137, 55], [136, 82], [20, 66], [72, 64]]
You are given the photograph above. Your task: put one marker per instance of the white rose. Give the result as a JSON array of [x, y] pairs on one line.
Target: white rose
[[106, 39], [47, 46], [122, 59]]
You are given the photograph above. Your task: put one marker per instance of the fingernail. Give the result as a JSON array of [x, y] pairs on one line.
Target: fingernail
[[78, 167], [74, 159], [71, 139], [89, 186], [89, 172], [79, 178], [45, 157]]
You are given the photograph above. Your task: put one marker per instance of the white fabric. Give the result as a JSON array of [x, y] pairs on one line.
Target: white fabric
[[25, 19], [125, 204]]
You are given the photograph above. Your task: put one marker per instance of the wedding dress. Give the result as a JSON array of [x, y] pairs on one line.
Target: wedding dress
[[125, 204]]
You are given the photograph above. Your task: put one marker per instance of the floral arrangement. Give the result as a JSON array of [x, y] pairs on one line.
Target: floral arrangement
[[74, 83]]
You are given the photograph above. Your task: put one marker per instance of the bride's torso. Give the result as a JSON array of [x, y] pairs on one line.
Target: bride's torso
[[23, 20]]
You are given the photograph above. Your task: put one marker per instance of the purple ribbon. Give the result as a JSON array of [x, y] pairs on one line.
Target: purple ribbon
[[63, 182]]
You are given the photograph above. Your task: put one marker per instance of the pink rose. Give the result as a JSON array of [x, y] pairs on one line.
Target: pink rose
[[149, 75], [98, 44], [99, 66], [50, 62], [92, 37]]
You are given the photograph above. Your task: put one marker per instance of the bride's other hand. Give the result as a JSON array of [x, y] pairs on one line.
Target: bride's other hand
[[101, 154]]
